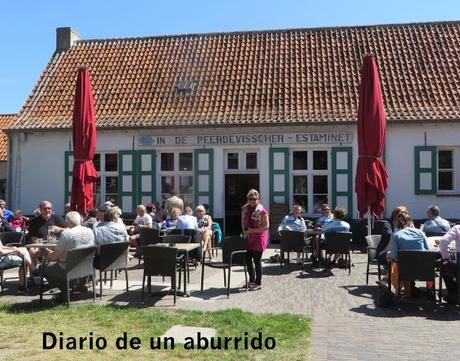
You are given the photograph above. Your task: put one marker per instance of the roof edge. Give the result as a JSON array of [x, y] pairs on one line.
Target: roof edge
[[267, 31]]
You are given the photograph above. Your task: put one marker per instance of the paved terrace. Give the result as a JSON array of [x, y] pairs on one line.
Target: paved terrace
[[346, 324]]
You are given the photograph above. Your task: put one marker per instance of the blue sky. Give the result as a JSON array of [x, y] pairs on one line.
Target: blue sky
[[28, 28]]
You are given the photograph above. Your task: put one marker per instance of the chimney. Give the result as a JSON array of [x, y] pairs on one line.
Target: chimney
[[65, 38]]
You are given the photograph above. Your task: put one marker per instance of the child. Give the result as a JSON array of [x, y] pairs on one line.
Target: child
[[18, 222]]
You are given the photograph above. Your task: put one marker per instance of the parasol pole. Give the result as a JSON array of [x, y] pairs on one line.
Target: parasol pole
[[369, 221]]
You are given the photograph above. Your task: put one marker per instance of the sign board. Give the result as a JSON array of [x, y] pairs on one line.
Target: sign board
[[246, 139]]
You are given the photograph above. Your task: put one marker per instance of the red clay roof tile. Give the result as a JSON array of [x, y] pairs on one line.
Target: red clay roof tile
[[262, 77]]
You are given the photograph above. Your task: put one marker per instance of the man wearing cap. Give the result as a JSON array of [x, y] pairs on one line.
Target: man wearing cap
[[174, 202]]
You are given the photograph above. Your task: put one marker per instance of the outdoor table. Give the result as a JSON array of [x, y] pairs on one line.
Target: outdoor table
[[432, 245], [181, 248]]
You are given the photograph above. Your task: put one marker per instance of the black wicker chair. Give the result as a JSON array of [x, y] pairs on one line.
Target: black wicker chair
[[148, 236], [292, 241], [339, 243], [233, 254], [112, 257], [12, 238], [417, 266], [79, 264], [161, 261]]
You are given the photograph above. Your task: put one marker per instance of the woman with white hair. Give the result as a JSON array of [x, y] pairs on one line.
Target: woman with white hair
[[204, 229]]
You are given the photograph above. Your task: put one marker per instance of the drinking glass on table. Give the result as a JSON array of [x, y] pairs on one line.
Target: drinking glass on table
[[51, 234]]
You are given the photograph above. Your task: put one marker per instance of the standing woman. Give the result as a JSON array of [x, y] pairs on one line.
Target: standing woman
[[254, 221]]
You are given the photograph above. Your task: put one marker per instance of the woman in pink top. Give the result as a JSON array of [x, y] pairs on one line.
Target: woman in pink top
[[254, 221]]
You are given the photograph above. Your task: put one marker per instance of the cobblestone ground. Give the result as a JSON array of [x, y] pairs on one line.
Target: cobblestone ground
[[346, 324]]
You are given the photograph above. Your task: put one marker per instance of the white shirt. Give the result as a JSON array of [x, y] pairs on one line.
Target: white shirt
[[71, 238], [452, 235], [145, 220]]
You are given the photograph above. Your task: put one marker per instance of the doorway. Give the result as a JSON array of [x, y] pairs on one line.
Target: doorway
[[236, 188]]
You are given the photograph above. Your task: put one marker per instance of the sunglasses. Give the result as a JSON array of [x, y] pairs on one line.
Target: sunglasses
[[252, 199], [326, 209]]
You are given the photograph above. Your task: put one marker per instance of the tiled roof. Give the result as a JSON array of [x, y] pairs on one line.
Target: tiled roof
[[6, 120], [259, 77]]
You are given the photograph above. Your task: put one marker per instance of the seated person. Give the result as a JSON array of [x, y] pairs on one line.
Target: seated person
[[320, 224], [293, 222], [449, 266], [18, 221], [91, 219], [406, 238], [15, 256], [6, 226], [156, 217], [384, 245], [187, 220], [170, 223], [109, 231], [38, 227], [435, 223], [337, 225], [143, 220], [76, 236], [7, 214], [204, 229]]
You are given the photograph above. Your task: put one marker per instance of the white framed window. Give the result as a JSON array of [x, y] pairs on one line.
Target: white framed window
[[106, 188], [176, 172], [310, 179], [241, 160], [447, 159]]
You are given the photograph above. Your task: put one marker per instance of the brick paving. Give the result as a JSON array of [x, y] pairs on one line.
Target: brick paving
[[346, 324]]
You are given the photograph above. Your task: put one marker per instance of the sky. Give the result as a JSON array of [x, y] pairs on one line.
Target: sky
[[28, 28]]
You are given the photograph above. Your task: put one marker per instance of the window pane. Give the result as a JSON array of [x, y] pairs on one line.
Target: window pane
[[301, 200], [97, 162], [319, 159], [167, 161], [446, 181], [111, 162], [185, 184], [318, 200], [251, 160], [445, 159], [167, 183], [111, 185], [185, 161], [320, 184], [112, 198], [97, 193], [299, 160], [300, 184], [232, 161]]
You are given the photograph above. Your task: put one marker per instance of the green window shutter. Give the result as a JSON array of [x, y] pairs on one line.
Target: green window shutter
[[68, 175], [204, 177], [342, 174], [127, 180], [426, 170], [279, 175], [146, 176]]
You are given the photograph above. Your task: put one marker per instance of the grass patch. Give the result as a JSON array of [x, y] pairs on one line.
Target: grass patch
[[23, 327]]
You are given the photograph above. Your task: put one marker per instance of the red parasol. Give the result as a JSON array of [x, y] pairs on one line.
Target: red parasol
[[371, 175], [84, 145]]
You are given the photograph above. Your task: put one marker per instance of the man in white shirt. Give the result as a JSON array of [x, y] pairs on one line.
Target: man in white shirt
[[76, 236], [450, 271], [143, 220]]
